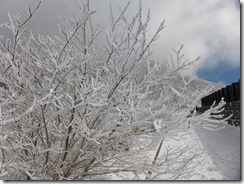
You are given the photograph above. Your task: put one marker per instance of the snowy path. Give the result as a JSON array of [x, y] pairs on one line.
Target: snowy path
[[218, 155], [205, 168], [224, 148]]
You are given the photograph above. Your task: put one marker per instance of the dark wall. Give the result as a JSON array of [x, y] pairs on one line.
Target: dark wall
[[230, 93]]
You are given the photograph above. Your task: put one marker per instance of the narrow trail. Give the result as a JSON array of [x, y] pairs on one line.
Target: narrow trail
[[224, 148]]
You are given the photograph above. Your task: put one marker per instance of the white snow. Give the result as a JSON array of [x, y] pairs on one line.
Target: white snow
[[205, 168], [218, 155], [224, 148]]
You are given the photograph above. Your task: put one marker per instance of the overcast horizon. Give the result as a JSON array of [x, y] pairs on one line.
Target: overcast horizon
[[209, 28]]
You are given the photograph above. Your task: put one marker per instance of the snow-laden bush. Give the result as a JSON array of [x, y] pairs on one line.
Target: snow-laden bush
[[70, 110]]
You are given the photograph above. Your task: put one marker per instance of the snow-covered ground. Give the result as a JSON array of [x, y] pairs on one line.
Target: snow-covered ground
[[224, 148], [218, 155]]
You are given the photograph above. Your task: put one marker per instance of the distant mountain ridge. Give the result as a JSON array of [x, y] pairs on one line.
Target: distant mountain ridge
[[194, 85], [201, 82]]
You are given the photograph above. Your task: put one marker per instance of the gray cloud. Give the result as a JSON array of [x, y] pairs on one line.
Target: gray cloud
[[210, 28]]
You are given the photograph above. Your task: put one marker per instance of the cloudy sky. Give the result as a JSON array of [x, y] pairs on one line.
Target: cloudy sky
[[209, 28]]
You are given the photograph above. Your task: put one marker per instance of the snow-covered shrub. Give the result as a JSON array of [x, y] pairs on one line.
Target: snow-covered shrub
[[74, 111], [212, 118]]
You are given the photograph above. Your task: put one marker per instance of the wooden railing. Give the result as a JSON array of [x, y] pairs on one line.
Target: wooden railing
[[231, 95]]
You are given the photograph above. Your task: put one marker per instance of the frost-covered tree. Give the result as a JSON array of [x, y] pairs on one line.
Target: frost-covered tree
[[71, 110]]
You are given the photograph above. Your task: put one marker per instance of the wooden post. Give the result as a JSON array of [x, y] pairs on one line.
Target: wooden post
[[227, 93], [223, 93], [234, 91], [203, 102], [219, 95], [211, 99], [156, 156], [216, 96]]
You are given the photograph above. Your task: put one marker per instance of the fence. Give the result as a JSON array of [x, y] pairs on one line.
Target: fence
[[231, 95]]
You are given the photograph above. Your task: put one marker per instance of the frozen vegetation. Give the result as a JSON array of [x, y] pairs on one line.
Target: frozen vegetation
[[75, 109]]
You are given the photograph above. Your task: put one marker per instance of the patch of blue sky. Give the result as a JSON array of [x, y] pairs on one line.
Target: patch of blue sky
[[220, 74]]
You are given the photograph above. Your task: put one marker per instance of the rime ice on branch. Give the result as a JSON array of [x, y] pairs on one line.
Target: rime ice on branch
[[72, 111]]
